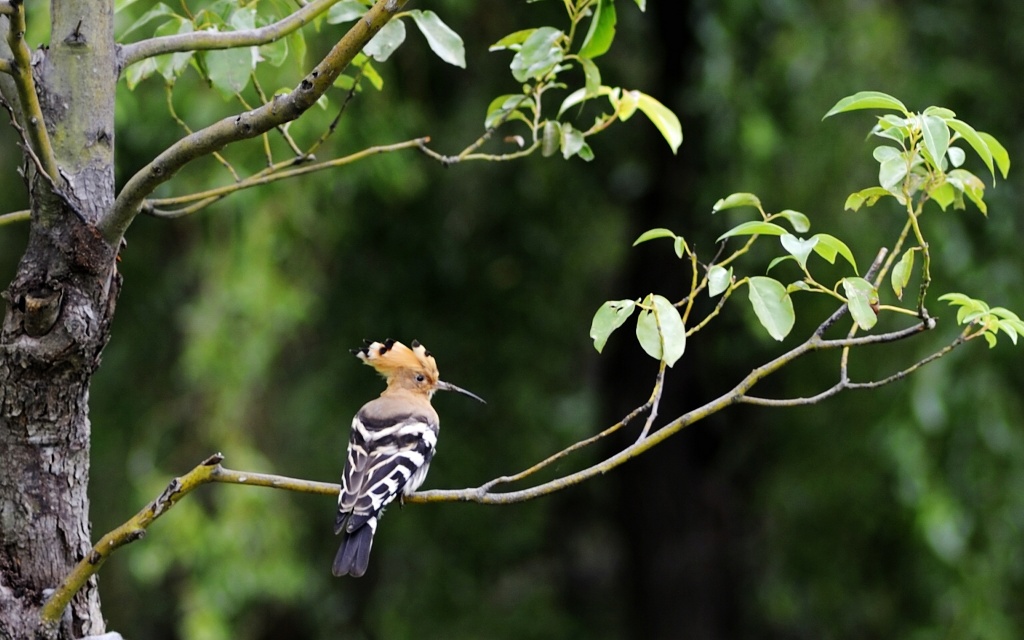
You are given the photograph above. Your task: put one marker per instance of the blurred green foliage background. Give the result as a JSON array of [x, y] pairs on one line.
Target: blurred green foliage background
[[896, 513]]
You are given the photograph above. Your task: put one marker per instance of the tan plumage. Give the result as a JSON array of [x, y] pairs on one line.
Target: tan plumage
[[391, 444]]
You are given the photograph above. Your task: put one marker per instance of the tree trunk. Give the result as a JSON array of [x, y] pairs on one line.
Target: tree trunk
[[59, 308]]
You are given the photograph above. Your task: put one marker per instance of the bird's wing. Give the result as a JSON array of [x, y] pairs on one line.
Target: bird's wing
[[386, 457]]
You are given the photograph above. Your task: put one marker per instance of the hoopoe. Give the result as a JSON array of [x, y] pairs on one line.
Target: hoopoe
[[390, 446]]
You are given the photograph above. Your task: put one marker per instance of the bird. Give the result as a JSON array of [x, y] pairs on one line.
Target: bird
[[390, 447]]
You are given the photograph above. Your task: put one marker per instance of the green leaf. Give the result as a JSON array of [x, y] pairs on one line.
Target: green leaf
[[551, 138], [940, 112], [505, 108], [772, 305], [653, 234], [800, 222], [609, 317], [345, 11], [642, 4], [719, 279], [668, 344], [602, 30], [753, 227], [828, 246], [647, 331], [512, 41], [229, 69], [867, 100], [957, 156], [799, 249], [539, 54], [592, 77], [663, 118], [139, 72], [172, 65], [673, 333], [625, 104], [572, 140], [971, 186], [442, 39], [159, 10], [977, 143], [388, 39], [777, 261], [891, 172], [901, 272], [884, 152], [999, 153], [936, 137], [943, 195], [867, 197], [861, 295], [680, 247], [736, 200]]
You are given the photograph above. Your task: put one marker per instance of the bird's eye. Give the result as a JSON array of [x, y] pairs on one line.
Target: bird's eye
[[420, 377]]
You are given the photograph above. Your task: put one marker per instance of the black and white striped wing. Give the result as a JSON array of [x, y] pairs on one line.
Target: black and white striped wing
[[383, 461]]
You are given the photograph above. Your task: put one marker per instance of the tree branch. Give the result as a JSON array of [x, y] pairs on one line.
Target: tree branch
[[21, 70], [208, 40], [15, 216], [134, 529], [203, 199], [281, 109]]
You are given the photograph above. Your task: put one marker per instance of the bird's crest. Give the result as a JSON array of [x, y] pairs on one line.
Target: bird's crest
[[390, 357]]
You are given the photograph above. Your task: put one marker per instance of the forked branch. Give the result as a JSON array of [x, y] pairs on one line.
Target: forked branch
[[208, 40], [281, 109]]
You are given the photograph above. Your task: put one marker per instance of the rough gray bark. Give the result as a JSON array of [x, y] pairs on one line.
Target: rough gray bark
[[59, 308]]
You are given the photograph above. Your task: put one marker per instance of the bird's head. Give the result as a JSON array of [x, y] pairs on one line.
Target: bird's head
[[414, 369]]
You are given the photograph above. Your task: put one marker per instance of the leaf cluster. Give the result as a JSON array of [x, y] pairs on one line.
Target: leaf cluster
[[920, 162]]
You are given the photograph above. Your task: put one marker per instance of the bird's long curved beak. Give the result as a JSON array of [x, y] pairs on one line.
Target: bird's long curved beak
[[447, 386]]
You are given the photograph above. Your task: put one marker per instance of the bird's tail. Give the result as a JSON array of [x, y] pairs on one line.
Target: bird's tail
[[354, 554]]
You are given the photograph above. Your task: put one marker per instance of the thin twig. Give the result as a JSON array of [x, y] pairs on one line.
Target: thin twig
[[27, 96], [15, 216], [205, 198]]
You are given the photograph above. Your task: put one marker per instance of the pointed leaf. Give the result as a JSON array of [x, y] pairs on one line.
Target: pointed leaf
[[753, 227], [867, 100], [861, 295], [736, 200], [902, 271], [663, 118], [652, 234], [828, 246], [719, 279], [936, 137], [867, 197], [957, 156], [800, 222], [609, 317], [442, 39], [512, 41], [647, 331], [229, 69], [345, 11], [799, 249], [772, 305], [539, 55], [999, 153], [388, 39], [602, 30], [977, 143]]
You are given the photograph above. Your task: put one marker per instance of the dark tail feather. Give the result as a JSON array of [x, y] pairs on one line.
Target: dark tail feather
[[354, 554]]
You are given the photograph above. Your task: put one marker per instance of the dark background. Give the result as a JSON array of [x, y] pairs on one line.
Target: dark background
[[889, 514]]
